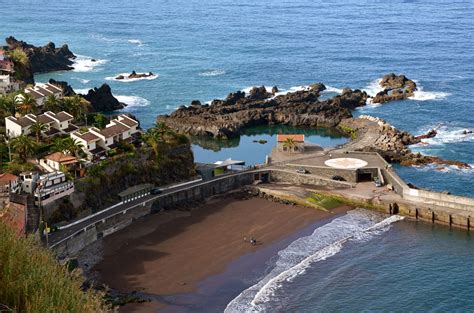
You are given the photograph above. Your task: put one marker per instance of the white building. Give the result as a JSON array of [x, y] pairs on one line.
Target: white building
[[40, 92], [51, 187], [8, 84], [97, 141], [18, 126], [57, 123]]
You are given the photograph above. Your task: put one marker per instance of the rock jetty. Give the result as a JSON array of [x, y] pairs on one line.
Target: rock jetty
[[225, 118], [376, 135]]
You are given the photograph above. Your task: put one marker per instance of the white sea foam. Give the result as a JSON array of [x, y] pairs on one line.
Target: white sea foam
[[326, 241], [137, 42], [373, 87], [87, 64], [129, 80], [133, 101], [212, 73], [82, 91], [421, 95], [332, 89], [448, 134]]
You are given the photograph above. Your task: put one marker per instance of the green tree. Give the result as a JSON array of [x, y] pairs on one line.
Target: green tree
[[67, 145], [76, 105], [289, 144], [8, 103], [52, 104], [25, 103], [23, 146], [38, 128]]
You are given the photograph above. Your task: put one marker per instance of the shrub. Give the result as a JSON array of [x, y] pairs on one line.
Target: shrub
[[32, 280]]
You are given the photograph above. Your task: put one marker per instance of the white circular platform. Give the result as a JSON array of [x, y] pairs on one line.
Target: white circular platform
[[345, 163]]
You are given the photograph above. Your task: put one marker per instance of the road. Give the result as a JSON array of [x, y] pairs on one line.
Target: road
[[57, 237]]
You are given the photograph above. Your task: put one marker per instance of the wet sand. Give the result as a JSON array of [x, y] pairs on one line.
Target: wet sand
[[171, 252]]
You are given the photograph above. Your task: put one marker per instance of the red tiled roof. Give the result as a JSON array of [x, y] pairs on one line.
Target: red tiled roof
[[88, 136], [7, 177], [61, 158], [64, 116], [296, 138]]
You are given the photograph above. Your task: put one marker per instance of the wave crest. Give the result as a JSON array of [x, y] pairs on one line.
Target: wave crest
[[87, 64], [133, 101], [211, 73], [326, 241]]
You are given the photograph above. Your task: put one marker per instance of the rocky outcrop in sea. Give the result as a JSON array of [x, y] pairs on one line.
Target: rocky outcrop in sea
[[102, 99], [396, 87], [225, 118]]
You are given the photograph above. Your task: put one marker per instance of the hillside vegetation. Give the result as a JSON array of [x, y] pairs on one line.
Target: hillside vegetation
[[32, 281]]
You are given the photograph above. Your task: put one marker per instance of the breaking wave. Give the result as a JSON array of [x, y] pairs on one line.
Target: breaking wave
[[212, 73], [293, 261], [332, 89], [129, 80], [135, 42], [449, 134], [82, 91], [87, 64], [133, 101]]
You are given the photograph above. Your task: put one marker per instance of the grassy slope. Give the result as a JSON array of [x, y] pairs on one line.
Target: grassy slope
[[32, 281]]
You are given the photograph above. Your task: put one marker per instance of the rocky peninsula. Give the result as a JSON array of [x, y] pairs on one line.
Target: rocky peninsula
[[40, 59], [226, 118]]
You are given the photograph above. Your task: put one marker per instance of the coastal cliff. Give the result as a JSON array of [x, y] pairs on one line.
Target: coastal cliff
[[44, 59], [225, 118]]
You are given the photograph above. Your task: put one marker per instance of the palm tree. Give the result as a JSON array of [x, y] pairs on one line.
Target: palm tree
[[289, 144], [8, 103], [23, 146], [38, 128], [76, 105], [52, 104], [67, 145], [25, 103], [162, 130]]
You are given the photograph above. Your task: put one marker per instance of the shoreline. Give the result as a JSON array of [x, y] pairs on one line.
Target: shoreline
[[152, 256]]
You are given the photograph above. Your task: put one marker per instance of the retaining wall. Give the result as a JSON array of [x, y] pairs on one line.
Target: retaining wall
[[102, 228]]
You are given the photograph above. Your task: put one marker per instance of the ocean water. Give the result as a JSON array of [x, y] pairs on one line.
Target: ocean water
[[205, 49], [362, 262]]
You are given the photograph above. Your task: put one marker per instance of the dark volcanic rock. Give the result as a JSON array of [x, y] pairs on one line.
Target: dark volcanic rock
[[134, 74], [259, 93], [396, 87], [432, 133], [225, 118], [67, 89], [102, 99], [44, 59]]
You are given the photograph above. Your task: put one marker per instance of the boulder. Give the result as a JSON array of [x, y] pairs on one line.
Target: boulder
[[102, 99], [67, 89]]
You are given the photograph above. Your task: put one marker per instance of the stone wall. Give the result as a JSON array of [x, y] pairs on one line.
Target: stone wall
[[72, 245], [327, 172]]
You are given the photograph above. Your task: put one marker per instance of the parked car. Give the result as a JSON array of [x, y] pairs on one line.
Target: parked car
[[301, 171], [377, 182], [156, 191]]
